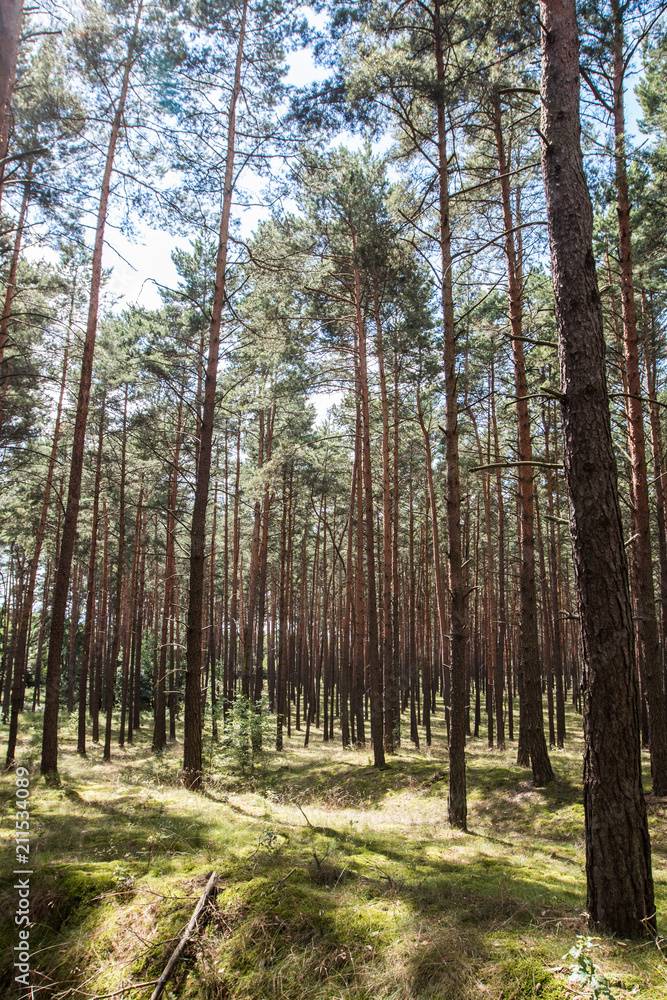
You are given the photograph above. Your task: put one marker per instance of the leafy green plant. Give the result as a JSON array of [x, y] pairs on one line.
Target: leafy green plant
[[246, 735], [123, 879], [583, 971]]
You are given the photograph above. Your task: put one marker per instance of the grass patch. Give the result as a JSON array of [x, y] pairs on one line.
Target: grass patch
[[335, 882]]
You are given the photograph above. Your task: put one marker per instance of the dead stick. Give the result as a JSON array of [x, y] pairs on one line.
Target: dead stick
[[304, 816], [180, 947], [117, 993]]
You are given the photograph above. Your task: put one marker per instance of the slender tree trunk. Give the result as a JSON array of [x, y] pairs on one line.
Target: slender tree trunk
[[555, 601], [263, 561], [73, 629], [281, 686], [345, 657], [192, 741], [226, 624], [387, 630], [120, 571], [42, 630], [618, 854], [502, 623], [359, 646], [11, 16], [645, 597], [440, 588], [160, 695], [103, 652], [22, 650], [13, 269], [377, 724], [130, 628], [395, 610], [233, 624], [49, 762], [15, 589], [659, 473], [529, 655], [457, 802], [247, 686], [212, 639], [412, 613]]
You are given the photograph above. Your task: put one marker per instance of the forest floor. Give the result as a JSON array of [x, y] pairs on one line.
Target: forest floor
[[335, 882]]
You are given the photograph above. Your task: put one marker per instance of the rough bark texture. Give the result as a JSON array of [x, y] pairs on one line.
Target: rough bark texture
[[375, 676], [618, 858], [120, 569], [440, 588], [22, 646], [457, 803], [645, 592], [192, 741], [11, 15], [529, 653], [658, 467], [387, 636], [49, 762], [13, 270]]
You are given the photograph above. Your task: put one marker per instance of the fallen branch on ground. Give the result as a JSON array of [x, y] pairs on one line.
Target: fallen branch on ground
[[180, 947]]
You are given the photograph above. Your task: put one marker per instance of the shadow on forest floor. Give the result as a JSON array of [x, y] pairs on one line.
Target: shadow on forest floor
[[335, 881]]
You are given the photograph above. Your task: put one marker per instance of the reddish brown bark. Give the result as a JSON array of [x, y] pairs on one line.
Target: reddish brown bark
[[234, 612], [645, 596], [160, 696], [529, 654], [457, 804], [119, 590], [387, 578], [22, 644], [192, 741], [49, 762], [11, 15], [13, 272], [658, 471], [375, 676], [440, 589], [618, 857]]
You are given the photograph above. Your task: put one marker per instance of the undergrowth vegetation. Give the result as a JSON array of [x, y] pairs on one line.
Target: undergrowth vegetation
[[334, 882]]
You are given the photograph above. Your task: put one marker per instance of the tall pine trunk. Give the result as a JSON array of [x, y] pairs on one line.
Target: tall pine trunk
[[645, 596], [49, 762], [11, 16], [618, 853], [457, 802], [22, 645], [531, 728], [192, 740], [377, 723]]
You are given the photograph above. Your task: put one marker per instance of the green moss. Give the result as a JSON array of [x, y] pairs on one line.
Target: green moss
[[529, 979], [335, 882]]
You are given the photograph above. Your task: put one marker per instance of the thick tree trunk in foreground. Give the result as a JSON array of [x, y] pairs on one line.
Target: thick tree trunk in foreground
[[618, 854], [192, 741], [49, 763]]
